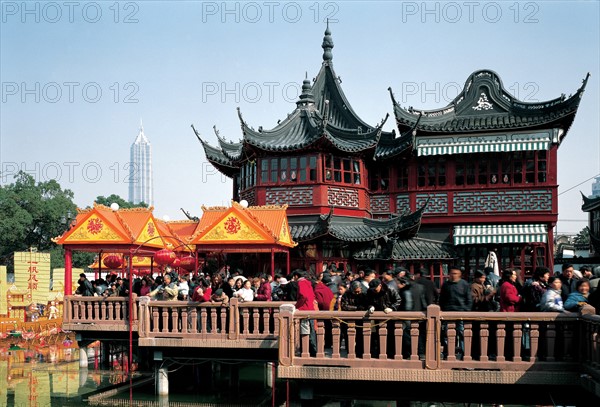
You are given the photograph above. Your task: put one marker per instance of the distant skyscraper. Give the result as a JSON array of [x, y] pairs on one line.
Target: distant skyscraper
[[596, 188], [141, 188]]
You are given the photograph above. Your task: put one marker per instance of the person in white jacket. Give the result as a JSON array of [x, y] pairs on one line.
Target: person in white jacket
[[552, 300], [246, 293]]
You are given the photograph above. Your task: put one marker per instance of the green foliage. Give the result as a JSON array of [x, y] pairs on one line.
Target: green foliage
[[107, 201], [31, 214], [583, 237]]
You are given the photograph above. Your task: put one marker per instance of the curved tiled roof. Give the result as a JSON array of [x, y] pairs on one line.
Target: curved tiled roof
[[407, 249], [590, 203], [485, 105], [351, 229], [323, 115], [217, 157]]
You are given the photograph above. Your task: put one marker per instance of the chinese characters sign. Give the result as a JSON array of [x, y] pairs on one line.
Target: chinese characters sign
[[32, 272]]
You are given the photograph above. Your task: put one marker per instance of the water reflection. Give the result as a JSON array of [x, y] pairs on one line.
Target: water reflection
[[49, 376]]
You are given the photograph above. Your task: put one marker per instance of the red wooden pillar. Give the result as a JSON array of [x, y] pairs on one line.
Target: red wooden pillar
[[273, 263], [68, 272], [287, 271], [130, 304]]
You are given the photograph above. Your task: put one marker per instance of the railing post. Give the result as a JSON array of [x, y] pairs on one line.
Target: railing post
[[433, 340], [144, 317], [286, 334], [234, 319], [67, 312], [484, 336]]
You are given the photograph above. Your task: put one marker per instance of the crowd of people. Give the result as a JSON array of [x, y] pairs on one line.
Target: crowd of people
[[365, 290], [392, 290]]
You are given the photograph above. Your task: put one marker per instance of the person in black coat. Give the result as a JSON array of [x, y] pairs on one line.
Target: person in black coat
[[85, 288], [455, 295], [431, 292]]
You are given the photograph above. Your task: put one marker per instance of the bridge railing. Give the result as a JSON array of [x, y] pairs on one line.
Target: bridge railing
[[440, 340], [98, 313], [192, 320]]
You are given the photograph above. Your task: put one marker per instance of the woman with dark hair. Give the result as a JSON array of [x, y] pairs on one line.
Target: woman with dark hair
[[534, 289], [510, 300]]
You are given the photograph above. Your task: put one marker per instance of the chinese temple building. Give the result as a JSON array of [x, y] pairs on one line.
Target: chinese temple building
[[453, 185]]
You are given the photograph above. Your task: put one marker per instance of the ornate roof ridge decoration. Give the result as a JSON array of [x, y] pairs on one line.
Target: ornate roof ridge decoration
[[181, 221], [213, 208], [108, 208], [125, 225], [267, 207], [590, 203], [484, 104]]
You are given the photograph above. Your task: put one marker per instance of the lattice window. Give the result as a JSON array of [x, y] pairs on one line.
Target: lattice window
[[247, 177], [521, 167], [341, 170], [402, 178], [285, 170], [431, 172], [379, 179]]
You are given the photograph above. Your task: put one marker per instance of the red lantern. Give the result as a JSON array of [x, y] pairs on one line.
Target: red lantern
[[188, 263], [164, 257], [113, 261], [176, 262]]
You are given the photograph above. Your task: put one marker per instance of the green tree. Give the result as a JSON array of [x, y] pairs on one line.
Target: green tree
[[31, 214], [583, 237], [107, 201]]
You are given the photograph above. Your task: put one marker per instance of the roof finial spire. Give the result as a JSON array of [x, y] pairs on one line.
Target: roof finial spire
[[306, 97], [141, 125], [327, 44]]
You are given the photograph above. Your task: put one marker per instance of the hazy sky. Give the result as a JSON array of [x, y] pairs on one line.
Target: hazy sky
[[78, 76]]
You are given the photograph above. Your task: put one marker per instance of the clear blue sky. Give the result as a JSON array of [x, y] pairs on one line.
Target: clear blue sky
[[177, 63]]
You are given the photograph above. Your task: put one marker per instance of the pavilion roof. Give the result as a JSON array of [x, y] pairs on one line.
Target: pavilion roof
[[484, 105], [101, 225], [237, 225]]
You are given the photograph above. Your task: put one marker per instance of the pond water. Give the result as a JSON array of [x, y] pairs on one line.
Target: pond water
[[51, 377]]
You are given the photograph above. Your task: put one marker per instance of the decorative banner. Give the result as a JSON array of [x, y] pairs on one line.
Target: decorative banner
[[3, 299], [32, 272]]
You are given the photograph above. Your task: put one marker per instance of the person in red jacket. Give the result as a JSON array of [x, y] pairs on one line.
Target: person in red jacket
[[306, 302], [263, 293], [510, 299], [325, 302]]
